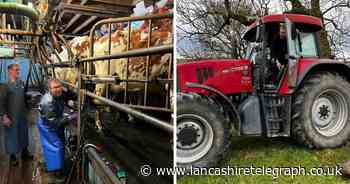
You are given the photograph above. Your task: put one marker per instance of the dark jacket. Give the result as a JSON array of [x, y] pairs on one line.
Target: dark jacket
[[51, 110]]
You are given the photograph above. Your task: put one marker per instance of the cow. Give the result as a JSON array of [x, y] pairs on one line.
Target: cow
[[158, 66]]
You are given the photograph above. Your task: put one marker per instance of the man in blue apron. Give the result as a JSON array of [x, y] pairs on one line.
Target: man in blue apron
[[13, 116], [51, 124]]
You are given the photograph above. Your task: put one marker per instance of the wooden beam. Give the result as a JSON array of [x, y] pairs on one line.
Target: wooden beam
[[147, 2], [127, 3], [71, 22], [92, 11], [62, 13], [75, 18], [87, 22]]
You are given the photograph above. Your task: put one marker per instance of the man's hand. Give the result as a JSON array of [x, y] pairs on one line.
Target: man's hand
[[68, 118], [6, 121], [73, 116]]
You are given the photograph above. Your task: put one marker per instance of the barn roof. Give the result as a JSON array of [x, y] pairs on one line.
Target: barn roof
[[78, 16]]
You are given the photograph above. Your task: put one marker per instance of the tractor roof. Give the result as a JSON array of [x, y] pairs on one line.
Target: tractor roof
[[312, 22]]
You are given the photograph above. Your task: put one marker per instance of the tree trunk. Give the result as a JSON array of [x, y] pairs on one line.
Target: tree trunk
[[324, 43]]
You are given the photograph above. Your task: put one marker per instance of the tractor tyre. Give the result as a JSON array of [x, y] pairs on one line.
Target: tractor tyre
[[203, 135], [321, 111]]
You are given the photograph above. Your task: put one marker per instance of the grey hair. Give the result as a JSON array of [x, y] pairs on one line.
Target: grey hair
[[49, 81], [10, 66]]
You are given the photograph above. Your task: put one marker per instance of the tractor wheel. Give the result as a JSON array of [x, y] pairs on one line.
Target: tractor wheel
[[203, 135], [321, 111]]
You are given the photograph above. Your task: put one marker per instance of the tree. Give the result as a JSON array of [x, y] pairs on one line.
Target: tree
[[212, 23]]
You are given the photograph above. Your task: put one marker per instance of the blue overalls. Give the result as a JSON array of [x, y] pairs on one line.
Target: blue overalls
[[51, 132]]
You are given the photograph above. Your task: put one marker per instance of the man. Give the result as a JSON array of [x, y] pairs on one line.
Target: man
[[51, 124], [278, 48], [279, 45], [13, 116]]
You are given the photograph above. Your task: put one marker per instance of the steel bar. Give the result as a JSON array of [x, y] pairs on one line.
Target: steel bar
[[18, 9], [109, 53], [167, 100], [154, 121], [119, 20], [147, 62], [115, 79], [122, 107], [100, 167], [61, 65], [132, 53], [127, 63], [149, 108]]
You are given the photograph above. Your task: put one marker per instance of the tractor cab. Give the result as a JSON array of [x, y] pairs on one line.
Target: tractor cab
[[276, 43]]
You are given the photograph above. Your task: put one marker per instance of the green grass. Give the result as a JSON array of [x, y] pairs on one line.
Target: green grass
[[279, 152]]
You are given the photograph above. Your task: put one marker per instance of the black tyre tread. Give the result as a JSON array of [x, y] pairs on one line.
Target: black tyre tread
[[194, 98], [298, 131]]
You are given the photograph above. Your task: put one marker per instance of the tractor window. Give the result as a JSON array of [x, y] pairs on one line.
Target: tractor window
[[307, 44], [252, 50]]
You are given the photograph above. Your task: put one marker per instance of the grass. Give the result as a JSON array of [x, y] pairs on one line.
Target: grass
[[279, 152]]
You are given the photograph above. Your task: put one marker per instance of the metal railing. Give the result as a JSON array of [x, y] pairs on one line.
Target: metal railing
[[124, 108], [97, 165], [150, 50]]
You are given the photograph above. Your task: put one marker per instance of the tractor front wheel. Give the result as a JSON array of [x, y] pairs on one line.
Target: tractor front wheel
[[203, 135], [321, 111]]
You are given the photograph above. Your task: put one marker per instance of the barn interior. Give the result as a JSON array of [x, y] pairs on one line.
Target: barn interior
[[114, 58]]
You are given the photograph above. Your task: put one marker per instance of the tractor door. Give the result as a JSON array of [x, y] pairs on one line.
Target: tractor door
[[292, 53]]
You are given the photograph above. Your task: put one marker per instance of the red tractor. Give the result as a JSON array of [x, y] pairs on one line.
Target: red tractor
[[282, 89]]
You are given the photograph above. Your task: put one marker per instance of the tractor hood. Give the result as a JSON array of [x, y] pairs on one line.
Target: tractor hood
[[227, 75]]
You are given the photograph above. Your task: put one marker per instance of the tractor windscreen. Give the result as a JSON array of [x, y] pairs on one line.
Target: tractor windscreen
[[306, 44], [306, 41]]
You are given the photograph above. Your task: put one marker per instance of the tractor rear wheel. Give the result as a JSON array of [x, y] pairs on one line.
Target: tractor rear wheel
[[203, 135], [321, 111]]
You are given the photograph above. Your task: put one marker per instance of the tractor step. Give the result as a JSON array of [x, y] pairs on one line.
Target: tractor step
[[276, 114]]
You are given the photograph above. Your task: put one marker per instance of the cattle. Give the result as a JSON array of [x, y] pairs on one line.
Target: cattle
[[158, 66]]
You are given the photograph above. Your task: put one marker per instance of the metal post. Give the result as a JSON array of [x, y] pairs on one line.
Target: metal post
[[127, 63], [109, 53], [147, 62], [79, 91], [167, 100]]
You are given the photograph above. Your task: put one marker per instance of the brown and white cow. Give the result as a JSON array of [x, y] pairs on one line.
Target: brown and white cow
[[159, 64]]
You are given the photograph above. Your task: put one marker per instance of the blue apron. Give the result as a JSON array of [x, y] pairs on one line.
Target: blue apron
[[52, 141]]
